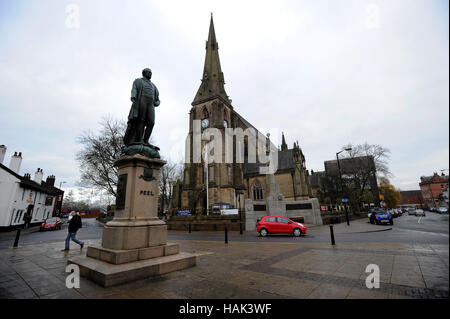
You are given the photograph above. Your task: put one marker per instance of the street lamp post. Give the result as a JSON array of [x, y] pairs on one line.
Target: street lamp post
[[61, 197], [342, 184]]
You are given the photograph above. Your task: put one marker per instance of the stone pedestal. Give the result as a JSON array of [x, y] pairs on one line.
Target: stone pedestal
[[275, 202], [134, 243]]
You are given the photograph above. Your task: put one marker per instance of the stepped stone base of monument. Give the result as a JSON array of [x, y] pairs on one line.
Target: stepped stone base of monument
[[109, 267], [134, 244], [117, 257]]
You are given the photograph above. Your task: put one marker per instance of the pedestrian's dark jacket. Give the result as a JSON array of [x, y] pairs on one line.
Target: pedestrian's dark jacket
[[27, 218], [75, 224]]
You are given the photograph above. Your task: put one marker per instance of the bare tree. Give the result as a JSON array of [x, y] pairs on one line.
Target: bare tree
[[99, 152], [360, 167], [379, 153], [170, 173]]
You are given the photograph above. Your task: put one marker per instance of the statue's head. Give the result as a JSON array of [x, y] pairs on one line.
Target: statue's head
[[147, 73]]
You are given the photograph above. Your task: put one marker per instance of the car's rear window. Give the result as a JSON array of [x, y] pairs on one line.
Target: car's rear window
[[50, 220]]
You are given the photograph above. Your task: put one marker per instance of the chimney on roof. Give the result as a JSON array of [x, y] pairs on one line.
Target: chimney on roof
[[27, 176], [16, 161], [2, 153], [38, 176], [50, 181]]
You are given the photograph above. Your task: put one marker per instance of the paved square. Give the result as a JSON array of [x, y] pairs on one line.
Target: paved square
[[245, 270]]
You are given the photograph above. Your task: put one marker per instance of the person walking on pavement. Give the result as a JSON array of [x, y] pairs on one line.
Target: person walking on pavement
[[27, 220], [74, 225]]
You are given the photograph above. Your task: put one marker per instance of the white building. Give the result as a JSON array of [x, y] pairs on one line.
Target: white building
[[19, 194]]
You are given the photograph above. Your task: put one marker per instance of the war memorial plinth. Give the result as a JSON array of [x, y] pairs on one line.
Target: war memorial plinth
[[134, 244]]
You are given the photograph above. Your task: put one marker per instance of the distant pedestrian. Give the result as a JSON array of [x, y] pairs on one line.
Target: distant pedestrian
[[74, 225], [26, 220]]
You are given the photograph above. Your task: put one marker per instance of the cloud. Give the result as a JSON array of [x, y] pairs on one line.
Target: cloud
[[315, 70]]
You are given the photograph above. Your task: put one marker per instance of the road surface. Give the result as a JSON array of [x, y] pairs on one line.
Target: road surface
[[431, 229]]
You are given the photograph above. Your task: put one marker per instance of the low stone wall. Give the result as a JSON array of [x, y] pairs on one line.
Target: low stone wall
[[205, 223], [337, 218], [309, 209]]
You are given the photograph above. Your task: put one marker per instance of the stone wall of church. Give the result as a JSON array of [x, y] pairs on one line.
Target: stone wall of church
[[286, 186]]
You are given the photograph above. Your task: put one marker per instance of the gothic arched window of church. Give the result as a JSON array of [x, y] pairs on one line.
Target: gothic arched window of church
[[246, 146], [258, 193], [225, 117], [205, 118]]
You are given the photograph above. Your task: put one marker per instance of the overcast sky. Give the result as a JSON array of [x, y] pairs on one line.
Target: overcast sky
[[326, 73]]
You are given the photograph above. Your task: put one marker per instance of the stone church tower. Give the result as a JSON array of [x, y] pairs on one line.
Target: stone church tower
[[212, 107], [229, 183]]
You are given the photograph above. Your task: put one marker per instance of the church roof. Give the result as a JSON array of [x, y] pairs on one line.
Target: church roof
[[314, 178], [285, 163], [213, 82]]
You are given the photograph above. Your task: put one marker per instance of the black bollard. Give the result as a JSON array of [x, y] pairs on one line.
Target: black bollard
[[189, 228], [332, 235], [16, 241], [240, 228], [226, 234], [346, 215]]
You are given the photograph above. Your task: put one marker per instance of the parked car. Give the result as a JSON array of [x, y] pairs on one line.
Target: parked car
[[442, 210], [411, 211], [419, 212], [371, 211], [381, 217], [51, 224], [279, 225], [393, 213]]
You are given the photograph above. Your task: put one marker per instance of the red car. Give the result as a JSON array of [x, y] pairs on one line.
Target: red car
[[279, 225], [51, 224]]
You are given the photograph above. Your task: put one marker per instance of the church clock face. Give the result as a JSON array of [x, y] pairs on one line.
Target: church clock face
[[205, 123]]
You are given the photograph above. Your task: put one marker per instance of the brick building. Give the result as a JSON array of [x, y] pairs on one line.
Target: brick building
[[411, 199], [432, 188]]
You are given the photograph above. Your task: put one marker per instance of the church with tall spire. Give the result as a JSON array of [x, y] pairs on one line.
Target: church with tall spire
[[229, 184]]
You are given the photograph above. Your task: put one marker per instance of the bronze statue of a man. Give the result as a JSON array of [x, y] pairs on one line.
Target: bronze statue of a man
[[145, 98]]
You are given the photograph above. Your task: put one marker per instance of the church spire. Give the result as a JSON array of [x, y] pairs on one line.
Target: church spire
[[213, 83], [284, 146]]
